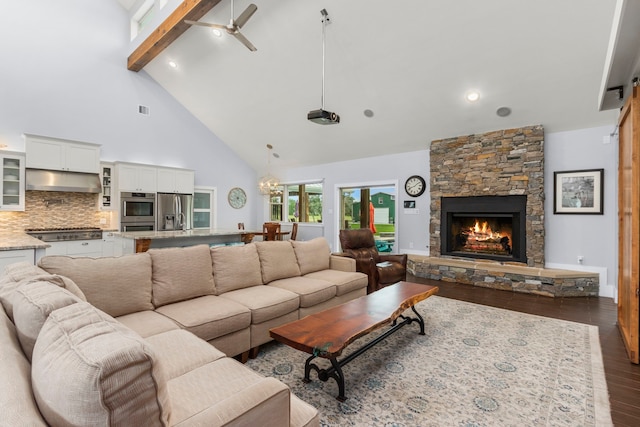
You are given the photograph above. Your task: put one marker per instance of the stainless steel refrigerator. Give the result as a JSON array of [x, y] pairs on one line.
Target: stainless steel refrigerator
[[174, 211]]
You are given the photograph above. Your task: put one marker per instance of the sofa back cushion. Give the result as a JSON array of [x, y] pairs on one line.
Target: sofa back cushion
[[179, 274], [235, 267], [277, 260], [90, 370], [115, 285], [313, 255], [17, 404], [32, 305], [21, 273]]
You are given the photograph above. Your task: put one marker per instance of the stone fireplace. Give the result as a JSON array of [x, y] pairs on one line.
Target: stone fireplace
[[486, 227], [496, 164], [487, 216]]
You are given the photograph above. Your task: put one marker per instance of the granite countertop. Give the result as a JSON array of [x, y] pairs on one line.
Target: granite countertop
[[200, 232], [10, 241]]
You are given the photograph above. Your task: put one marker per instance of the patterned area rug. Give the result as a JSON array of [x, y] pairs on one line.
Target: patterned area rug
[[476, 366]]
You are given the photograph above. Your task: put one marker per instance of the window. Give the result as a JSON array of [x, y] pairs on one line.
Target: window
[[141, 17], [297, 203], [203, 208]]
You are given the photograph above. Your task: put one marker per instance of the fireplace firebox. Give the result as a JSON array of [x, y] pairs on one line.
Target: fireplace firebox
[[489, 227]]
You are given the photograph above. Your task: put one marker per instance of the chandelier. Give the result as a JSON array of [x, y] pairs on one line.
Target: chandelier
[[269, 184]]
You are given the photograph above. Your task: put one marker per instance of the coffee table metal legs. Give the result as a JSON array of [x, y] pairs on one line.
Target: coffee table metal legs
[[335, 371]]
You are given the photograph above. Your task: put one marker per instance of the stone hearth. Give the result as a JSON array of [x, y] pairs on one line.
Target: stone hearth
[[508, 277]]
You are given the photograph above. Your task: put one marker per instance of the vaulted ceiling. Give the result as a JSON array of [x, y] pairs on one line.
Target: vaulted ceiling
[[409, 62]]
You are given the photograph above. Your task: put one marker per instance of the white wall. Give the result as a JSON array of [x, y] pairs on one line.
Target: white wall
[[64, 74], [594, 237], [411, 228]]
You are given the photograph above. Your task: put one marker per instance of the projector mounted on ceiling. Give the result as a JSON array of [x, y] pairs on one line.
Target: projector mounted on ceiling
[[322, 116]]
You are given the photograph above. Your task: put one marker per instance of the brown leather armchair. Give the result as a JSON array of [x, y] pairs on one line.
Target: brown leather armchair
[[360, 245]]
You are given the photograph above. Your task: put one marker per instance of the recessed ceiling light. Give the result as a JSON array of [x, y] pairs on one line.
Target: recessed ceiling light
[[173, 64], [503, 111], [216, 32], [368, 113], [472, 96]]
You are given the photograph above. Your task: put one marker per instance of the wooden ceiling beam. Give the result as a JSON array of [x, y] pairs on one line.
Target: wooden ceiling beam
[[168, 32]]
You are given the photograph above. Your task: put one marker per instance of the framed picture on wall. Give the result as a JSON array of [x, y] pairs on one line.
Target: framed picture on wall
[[578, 192]]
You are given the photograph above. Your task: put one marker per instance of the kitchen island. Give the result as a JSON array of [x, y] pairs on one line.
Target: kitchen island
[[141, 241], [17, 246]]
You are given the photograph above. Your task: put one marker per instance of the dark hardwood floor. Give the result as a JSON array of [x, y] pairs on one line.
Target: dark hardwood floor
[[623, 377]]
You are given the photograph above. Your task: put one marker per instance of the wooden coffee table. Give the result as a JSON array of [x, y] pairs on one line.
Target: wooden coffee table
[[327, 333]]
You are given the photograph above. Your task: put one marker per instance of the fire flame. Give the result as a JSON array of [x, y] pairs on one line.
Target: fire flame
[[482, 232]]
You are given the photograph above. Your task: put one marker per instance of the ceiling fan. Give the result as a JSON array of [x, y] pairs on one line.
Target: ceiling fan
[[234, 25]]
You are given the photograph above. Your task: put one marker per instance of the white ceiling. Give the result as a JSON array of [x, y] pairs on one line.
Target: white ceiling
[[410, 62]]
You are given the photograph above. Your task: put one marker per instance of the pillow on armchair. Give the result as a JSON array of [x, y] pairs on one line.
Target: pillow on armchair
[[361, 245]]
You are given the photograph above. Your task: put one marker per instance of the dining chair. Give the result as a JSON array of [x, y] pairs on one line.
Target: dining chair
[[294, 231], [271, 231]]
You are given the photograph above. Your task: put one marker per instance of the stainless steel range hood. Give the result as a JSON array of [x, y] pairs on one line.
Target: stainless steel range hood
[[50, 180]]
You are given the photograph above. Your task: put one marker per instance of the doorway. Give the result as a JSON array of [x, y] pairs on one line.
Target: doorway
[[372, 206]]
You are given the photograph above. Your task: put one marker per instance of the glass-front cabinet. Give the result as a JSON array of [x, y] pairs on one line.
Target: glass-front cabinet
[[12, 184], [107, 200], [203, 208]]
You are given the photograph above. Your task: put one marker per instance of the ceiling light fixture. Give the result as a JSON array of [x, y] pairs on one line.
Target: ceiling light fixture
[[173, 64], [322, 116], [368, 113], [216, 32], [472, 96], [269, 184]]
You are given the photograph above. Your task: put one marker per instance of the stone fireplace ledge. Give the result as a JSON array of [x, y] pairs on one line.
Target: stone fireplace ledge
[[506, 276]]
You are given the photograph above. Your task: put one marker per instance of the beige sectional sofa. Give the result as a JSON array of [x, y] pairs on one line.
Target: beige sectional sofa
[[145, 339]]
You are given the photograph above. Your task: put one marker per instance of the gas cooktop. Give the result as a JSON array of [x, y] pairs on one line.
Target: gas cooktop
[[62, 233]]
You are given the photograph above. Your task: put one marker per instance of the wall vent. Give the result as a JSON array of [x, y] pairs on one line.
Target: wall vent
[[144, 110]]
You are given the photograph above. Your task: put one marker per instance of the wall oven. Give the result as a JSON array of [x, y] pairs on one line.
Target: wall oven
[[137, 210]]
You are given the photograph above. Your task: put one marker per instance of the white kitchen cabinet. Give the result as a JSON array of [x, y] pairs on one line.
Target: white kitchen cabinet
[[12, 182], [18, 255], [108, 243], [59, 154], [133, 177], [172, 180], [76, 248]]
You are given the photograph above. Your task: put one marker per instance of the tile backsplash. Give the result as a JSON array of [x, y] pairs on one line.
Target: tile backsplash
[[53, 209]]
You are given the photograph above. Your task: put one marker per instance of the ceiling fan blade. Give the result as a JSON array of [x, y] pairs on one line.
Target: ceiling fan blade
[[244, 16], [244, 41], [205, 24]]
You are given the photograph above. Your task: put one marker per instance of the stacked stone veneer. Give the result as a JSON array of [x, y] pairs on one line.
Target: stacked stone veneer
[[500, 163], [508, 277]]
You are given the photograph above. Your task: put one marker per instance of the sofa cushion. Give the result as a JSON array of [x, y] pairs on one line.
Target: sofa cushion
[[208, 317], [344, 281], [227, 393], [147, 323], [180, 274], [235, 267], [277, 260], [17, 404], [127, 279], [88, 369], [8, 286], [310, 291], [32, 305], [313, 255], [265, 302], [170, 347], [21, 270]]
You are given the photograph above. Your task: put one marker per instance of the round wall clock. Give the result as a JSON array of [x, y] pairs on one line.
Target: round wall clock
[[415, 186], [237, 197]]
